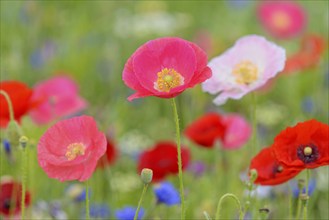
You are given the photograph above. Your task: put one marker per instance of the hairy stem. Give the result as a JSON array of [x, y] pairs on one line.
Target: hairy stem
[[140, 201], [179, 158], [219, 206]]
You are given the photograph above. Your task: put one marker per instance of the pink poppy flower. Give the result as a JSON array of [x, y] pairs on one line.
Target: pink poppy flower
[[283, 19], [165, 67], [57, 97], [70, 149], [248, 65], [237, 132]]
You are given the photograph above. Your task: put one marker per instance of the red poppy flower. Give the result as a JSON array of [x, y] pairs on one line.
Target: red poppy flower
[[305, 145], [71, 148], [232, 130], [312, 48], [206, 130], [110, 155], [162, 159], [7, 197], [19, 95], [165, 67], [270, 170]]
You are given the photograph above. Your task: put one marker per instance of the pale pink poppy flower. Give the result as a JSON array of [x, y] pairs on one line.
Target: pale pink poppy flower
[[248, 65], [283, 19], [237, 132], [165, 67], [56, 97], [70, 149]]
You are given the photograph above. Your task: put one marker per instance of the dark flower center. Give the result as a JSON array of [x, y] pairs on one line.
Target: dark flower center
[[6, 204], [308, 153]]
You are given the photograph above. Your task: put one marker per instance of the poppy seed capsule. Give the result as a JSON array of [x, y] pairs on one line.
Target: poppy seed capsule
[[146, 175]]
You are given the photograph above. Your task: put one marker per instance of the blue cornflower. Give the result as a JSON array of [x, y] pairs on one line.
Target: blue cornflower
[[98, 211], [167, 194], [128, 213], [6, 146], [295, 190], [308, 105]]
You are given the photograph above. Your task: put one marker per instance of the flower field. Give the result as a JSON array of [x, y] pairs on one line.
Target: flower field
[[164, 110]]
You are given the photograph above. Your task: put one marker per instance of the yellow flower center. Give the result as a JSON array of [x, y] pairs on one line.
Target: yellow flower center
[[281, 20], [307, 151], [168, 79], [74, 150], [245, 72]]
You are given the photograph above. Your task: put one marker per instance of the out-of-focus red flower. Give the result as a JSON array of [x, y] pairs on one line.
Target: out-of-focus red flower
[[232, 130], [20, 95], [270, 170], [162, 159], [11, 197], [309, 55], [305, 145], [206, 130], [110, 155]]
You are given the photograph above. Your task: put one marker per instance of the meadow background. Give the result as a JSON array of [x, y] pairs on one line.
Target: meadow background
[[91, 41]]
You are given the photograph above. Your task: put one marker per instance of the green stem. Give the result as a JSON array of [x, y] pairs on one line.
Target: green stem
[[24, 159], [299, 204], [10, 105], [219, 206], [87, 200], [179, 157], [140, 201], [254, 124], [306, 192]]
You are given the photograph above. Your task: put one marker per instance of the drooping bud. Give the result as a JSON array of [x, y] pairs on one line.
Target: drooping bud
[[146, 175], [13, 132]]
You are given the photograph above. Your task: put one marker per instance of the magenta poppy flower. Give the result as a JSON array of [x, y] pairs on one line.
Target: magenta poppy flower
[[237, 132], [70, 149], [57, 97], [283, 19], [248, 65], [165, 67]]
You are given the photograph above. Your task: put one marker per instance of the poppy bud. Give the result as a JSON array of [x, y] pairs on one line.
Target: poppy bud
[[146, 175], [23, 141], [253, 175], [301, 184], [13, 132]]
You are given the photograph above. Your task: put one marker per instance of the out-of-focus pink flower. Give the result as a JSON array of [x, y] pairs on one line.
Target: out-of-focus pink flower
[[165, 67], [57, 97], [283, 19], [237, 131], [248, 65], [70, 149]]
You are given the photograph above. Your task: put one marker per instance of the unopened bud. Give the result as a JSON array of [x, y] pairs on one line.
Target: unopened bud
[[13, 132], [264, 213], [146, 175], [253, 175], [23, 141]]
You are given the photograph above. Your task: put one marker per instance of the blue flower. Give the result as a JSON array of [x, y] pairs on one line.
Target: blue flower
[[6, 146], [167, 194], [76, 192], [128, 213], [308, 105], [98, 211], [295, 190]]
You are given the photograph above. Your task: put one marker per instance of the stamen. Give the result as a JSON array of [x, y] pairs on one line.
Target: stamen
[[168, 79], [308, 153], [281, 20], [74, 150], [245, 72]]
